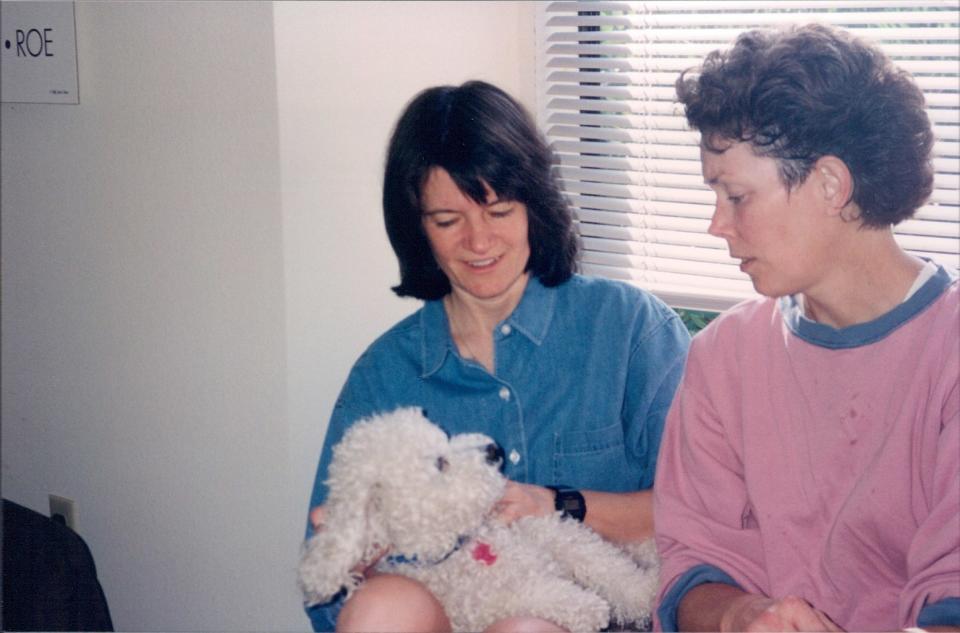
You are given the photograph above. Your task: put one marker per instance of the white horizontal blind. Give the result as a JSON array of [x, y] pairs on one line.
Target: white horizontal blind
[[630, 166]]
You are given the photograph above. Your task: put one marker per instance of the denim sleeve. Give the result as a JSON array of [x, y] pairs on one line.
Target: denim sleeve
[[656, 367], [699, 575], [323, 617], [945, 612], [355, 401]]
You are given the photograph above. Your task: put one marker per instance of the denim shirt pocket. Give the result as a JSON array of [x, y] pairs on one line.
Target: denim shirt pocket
[[593, 459]]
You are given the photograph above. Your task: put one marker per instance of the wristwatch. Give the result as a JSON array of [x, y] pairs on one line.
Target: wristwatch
[[570, 502]]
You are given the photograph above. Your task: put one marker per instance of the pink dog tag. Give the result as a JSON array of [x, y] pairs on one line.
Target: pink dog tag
[[483, 554]]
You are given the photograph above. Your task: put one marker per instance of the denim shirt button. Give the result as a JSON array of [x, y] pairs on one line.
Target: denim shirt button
[[514, 457], [505, 329], [504, 393]]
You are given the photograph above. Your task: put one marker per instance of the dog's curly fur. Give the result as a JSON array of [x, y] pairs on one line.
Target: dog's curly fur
[[398, 481]]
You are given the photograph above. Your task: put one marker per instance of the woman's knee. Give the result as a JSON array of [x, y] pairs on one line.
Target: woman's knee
[[524, 624], [386, 603]]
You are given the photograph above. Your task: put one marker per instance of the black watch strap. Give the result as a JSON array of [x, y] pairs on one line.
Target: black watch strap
[[569, 501]]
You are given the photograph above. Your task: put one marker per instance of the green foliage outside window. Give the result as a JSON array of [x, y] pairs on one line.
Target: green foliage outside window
[[695, 320]]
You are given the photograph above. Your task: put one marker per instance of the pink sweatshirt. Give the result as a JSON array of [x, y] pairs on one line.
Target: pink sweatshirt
[[804, 460]]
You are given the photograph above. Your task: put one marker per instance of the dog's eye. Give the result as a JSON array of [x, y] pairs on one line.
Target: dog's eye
[[442, 464]]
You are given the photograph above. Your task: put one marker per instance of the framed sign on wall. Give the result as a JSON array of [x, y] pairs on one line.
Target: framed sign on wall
[[38, 55]]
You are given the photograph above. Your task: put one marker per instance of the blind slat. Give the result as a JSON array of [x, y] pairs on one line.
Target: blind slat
[[628, 164], [723, 36], [705, 6], [697, 50], [767, 17]]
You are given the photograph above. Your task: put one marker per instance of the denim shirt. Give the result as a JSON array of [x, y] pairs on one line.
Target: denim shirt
[[584, 374]]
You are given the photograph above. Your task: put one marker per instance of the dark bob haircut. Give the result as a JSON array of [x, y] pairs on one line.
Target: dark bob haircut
[[478, 134], [799, 94]]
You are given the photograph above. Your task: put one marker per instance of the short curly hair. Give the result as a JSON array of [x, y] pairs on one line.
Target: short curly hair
[[479, 135], [810, 91]]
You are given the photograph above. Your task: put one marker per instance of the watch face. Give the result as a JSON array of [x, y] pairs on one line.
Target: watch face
[[571, 503]]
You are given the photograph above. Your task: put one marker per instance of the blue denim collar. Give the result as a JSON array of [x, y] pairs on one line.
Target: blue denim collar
[[531, 318], [864, 333]]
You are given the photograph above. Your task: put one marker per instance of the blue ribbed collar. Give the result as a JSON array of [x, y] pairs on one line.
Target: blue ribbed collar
[[531, 318], [864, 333]]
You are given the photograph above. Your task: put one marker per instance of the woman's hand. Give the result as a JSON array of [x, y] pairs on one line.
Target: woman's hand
[[751, 612], [521, 500], [723, 607], [316, 517]]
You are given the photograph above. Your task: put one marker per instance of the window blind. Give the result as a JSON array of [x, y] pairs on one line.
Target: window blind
[[630, 167]]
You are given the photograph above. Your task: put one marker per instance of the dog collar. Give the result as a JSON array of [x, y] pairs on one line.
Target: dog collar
[[400, 559]]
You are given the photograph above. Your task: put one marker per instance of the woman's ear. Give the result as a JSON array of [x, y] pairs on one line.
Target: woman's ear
[[835, 185]]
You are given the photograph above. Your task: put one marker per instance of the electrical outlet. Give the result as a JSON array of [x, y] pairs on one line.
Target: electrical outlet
[[66, 508]]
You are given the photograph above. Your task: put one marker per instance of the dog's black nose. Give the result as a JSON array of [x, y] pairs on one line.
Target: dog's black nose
[[494, 453]]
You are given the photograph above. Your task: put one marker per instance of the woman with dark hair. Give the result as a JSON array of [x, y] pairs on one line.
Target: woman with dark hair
[[809, 477], [571, 375]]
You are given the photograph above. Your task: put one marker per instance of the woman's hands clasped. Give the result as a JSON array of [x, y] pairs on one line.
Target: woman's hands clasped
[[753, 613]]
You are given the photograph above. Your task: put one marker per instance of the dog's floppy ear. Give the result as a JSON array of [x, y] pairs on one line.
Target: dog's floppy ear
[[353, 531], [351, 535]]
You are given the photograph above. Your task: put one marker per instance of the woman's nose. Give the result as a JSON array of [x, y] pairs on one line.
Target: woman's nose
[[479, 235], [720, 222]]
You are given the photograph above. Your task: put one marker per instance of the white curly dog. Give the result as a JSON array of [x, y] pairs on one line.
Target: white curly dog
[[398, 481]]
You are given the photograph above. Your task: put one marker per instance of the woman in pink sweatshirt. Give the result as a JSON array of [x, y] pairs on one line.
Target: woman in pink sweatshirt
[[809, 476]]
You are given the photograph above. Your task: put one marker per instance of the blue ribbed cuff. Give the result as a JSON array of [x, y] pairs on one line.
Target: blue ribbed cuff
[[945, 612], [699, 575]]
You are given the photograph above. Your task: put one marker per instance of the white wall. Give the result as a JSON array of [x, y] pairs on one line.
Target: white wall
[[192, 258], [143, 311]]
